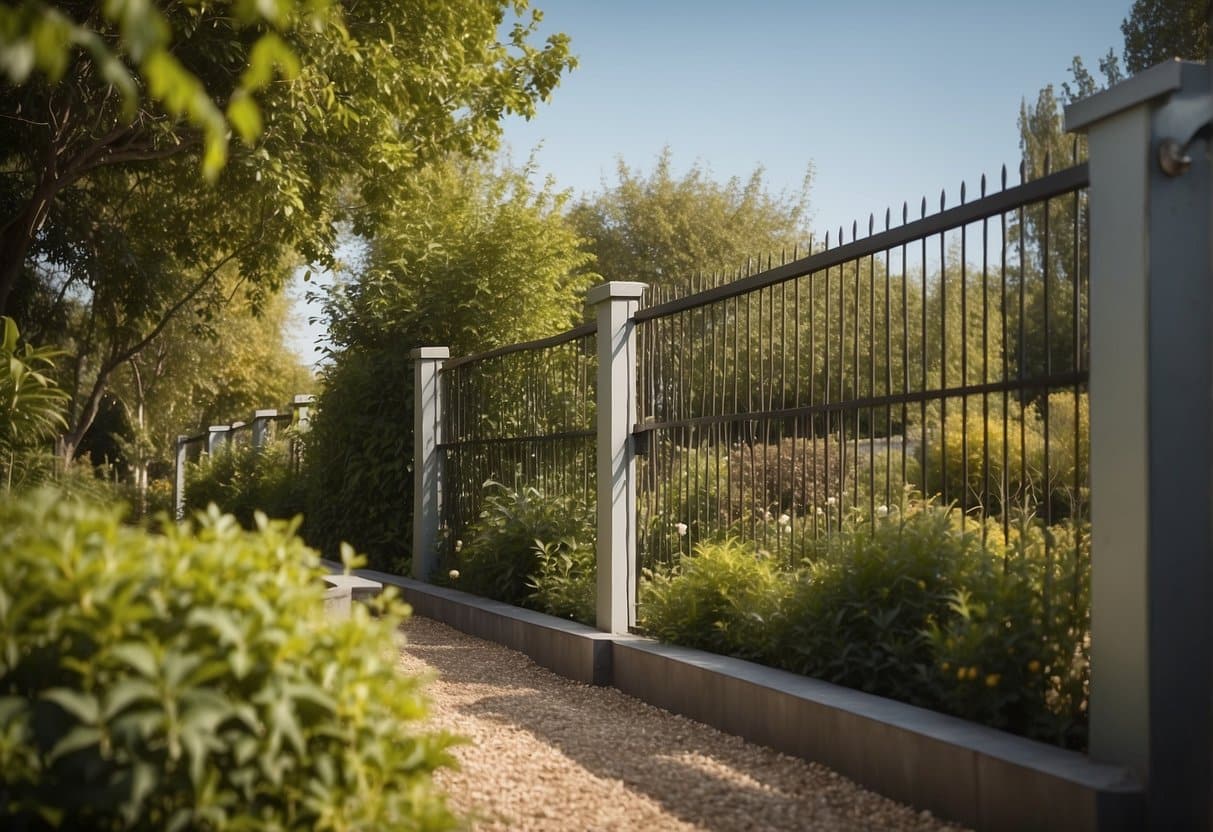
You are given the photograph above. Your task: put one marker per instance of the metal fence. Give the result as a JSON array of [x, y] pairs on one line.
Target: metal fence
[[946, 355], [521, 416]]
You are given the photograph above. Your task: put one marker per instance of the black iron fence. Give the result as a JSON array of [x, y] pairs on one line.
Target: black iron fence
[[943, 357], [521, 416]]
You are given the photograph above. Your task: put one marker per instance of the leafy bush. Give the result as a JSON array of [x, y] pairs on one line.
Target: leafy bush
[[31, 409], [920, 604], [565, 580], [244, 480], [190, 679], [359, 464], [971, 479], [727, 598], [501, 555]]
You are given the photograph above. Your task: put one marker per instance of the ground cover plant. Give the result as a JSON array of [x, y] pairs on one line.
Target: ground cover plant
[[244, 480], [189, 678]]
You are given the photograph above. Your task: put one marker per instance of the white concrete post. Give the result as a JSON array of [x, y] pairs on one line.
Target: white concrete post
[[1151, 389], [179, 479], [302, 406], [615, 303], [261, 427], [427, 462], [217, 437]]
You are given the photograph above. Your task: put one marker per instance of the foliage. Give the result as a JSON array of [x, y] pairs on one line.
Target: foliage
[[244, 481], [476, 258], [663, 230], [190, 679], [1158, 30], [967, 462], [378, 90], [31, 406], [501, 555], [565, 579], [727, 598], [917, 604]]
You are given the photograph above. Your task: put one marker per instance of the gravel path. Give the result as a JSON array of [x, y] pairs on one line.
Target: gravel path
[[551, 754]]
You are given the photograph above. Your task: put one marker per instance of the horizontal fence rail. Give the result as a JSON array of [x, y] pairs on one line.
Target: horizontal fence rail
[[521, 417], [945, 358]]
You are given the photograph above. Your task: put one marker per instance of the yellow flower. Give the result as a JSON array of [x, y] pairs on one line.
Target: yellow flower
[[960, 674], [922, 584], [992, 680], [1034, 666], [972, 673]]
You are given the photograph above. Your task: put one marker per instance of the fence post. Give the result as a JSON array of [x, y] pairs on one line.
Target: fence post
[[179, 478], [1151, 389], [301, 404], [427, 463], [615, 303], [217, 436], [261, 427]]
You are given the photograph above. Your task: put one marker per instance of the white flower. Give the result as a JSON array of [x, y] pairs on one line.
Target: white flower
[[831, 501], [458, 545], [882, 511], [681, 528], [819, 511], [454, 574], [784, 520]]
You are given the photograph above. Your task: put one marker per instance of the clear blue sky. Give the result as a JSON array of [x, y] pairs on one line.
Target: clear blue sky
[[889, 101]]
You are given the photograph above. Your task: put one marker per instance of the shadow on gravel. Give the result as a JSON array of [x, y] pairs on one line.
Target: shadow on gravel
[[701, 776]]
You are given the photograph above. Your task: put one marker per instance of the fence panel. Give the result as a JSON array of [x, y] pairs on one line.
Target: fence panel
[[944, 358], [522, 416]]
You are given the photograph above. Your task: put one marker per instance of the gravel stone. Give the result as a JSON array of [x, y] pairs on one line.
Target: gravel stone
[[546, 753]]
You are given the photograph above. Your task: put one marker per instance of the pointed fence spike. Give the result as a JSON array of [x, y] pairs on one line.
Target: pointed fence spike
[[1023, 169], [871, 224], [1048, 161], [854, 230], [962, 192], [827, 240], [905, 212], [983, 184], [942, 199], [888, 212], [924, 206], [1004, 176], [1074, 151], [796, 251]]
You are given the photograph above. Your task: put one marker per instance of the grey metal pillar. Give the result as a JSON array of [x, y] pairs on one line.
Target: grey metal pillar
[[261, 427], [217, 437], [1151, 318], [179, 478], [615, 304], [302, 406], [427, 463]]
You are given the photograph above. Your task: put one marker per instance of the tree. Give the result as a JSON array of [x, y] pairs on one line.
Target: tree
[[1158, 30], [102, 206], [663, 230], [476, 258]]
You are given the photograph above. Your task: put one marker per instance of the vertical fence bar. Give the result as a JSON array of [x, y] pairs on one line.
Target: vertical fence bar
[[1152, 436], [427, 463], [615, 303]]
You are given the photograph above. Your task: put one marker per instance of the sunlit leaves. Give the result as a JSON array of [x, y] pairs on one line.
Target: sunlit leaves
[[114, 718]]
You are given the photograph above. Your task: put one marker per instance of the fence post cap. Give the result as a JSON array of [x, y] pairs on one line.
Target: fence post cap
[[302, 399], [429, 352], [238, 425], [264, 414], [615, 290], [219, 428], [1154, 82]]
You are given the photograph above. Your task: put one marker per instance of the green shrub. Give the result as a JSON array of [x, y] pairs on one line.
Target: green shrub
[[919, 604], [565, 580], [244, 480], [501, 554], [727, 597], [190, 679]]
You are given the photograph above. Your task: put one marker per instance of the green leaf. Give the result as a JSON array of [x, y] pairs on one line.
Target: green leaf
[[80, 737], [245, 117], [83, 706]]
